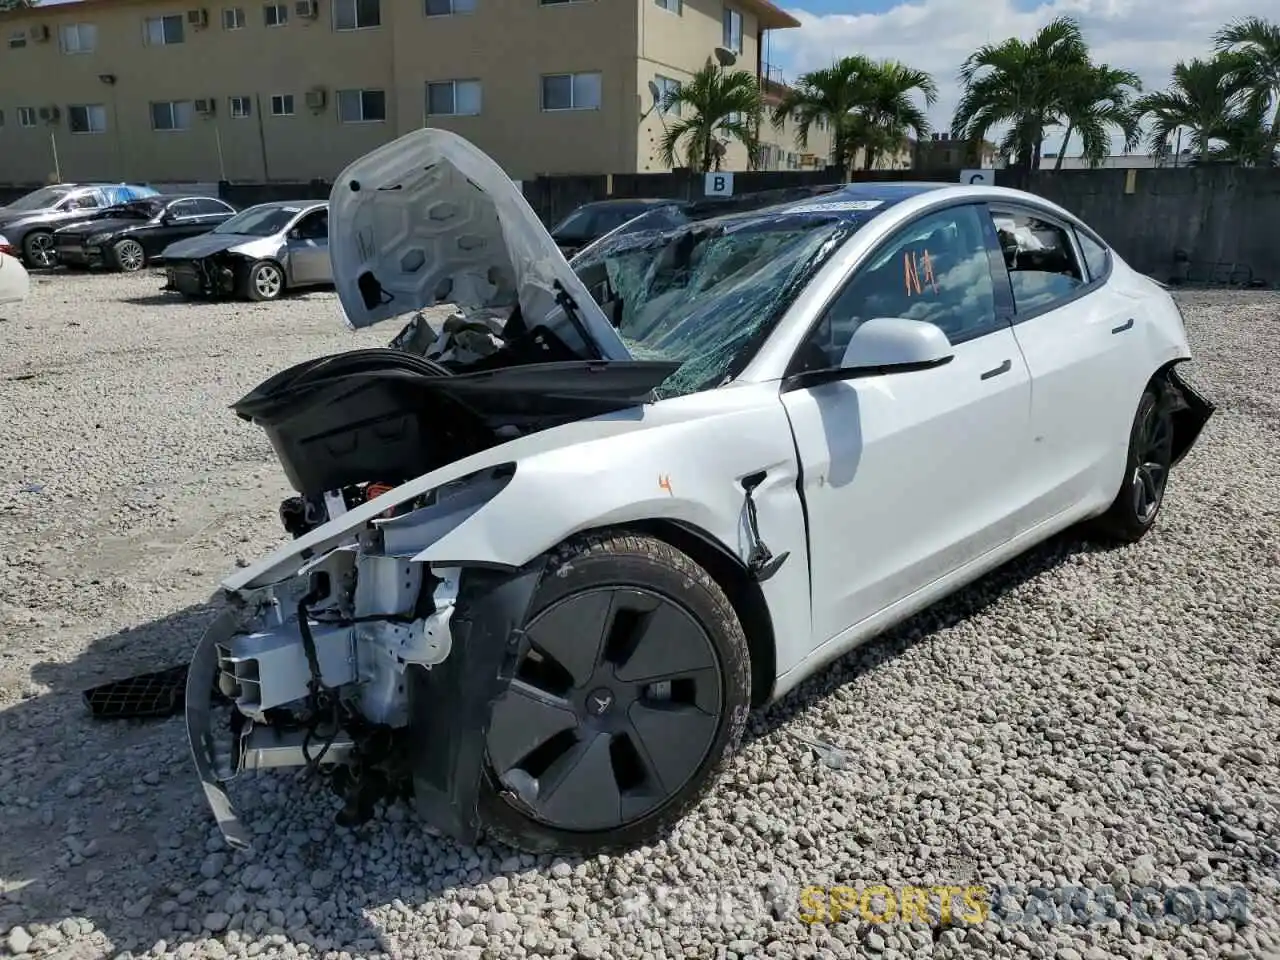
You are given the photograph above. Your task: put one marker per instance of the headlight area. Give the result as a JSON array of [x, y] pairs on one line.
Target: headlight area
[[327, 670]]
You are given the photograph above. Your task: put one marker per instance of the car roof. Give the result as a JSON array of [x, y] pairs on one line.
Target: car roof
[[300, 204], [849, 201], [631, 202]]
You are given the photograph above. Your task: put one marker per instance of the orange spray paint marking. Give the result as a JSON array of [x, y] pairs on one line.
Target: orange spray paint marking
[[664, 483]]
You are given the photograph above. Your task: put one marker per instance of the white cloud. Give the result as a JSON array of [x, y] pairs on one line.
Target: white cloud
[[1146, 36]]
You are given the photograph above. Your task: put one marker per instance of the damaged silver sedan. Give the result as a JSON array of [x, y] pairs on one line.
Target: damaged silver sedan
[[258, 254], [547, 557]]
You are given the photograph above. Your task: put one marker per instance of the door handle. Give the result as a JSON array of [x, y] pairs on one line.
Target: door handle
[[1003, 368], [1123, 327]]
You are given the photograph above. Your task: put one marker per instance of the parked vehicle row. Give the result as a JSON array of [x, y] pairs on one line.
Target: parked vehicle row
[[209, 248], [28, 224]]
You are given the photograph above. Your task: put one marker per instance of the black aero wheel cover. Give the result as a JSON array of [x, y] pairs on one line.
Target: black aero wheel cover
[[582, 737]]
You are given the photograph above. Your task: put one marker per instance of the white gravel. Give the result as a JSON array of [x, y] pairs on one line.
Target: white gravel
[[1081, 718]]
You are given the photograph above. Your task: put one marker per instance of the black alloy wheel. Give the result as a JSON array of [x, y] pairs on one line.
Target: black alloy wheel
[[1138, 503], [634, 686]]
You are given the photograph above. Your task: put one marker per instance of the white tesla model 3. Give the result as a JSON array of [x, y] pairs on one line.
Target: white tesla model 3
[[547, 557]]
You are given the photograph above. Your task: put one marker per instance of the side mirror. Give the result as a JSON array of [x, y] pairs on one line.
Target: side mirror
[[896, 344]]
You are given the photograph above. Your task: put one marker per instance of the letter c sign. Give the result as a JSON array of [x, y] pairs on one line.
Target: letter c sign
[[982, 178]]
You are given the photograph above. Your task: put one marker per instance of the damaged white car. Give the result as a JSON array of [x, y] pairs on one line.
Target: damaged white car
[[546, 559]]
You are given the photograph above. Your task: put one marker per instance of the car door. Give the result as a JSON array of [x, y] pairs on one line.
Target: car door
[[213, 212], [1074, 332], [908, 476], [308, 242]]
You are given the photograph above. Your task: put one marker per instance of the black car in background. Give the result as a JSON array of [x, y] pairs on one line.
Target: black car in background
[[128, 236], [593, 220]]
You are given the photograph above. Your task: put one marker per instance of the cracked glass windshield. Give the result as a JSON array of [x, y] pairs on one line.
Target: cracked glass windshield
[[706, 293]]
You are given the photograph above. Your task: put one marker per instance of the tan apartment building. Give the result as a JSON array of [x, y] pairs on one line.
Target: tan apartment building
[[168, 90]]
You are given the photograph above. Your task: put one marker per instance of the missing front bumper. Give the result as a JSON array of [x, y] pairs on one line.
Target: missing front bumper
[[220, 759], [443, 745]]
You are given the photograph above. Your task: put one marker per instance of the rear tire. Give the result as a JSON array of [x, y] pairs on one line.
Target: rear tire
[[264, 281], [633, 694], [1146, 475]]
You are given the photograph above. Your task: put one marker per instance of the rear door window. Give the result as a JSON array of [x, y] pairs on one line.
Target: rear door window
[[1042, 263]]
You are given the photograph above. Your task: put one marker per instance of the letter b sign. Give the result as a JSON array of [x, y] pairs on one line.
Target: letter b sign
[[718, 184]]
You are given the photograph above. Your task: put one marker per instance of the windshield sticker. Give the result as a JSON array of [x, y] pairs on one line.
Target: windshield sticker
[[837, 206], [291, 209]]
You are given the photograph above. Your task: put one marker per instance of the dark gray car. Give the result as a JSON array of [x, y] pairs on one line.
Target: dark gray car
[[29, 221]]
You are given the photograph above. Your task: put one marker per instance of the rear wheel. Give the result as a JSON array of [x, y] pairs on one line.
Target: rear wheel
[[634, 690], [37, 249], [129, 256], [1134, 510], [264, 281]]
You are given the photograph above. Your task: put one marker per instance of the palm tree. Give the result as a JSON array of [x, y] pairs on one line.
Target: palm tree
[[890, 109], [721, 104], [868, 104], [1021, 84], [1095, 98], [1257, 43], [828, 96], [1203, 97]]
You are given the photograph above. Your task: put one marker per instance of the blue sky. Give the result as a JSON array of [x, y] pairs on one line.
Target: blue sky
[[1146, 36]]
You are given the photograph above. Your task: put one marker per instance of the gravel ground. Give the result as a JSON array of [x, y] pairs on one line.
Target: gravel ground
[[1081, 720]]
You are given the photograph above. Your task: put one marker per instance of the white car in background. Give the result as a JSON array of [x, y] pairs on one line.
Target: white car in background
[[14, 282]]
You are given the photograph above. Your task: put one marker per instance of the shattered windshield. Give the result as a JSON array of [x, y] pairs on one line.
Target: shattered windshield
[[263, 221], [140, 209], [706, 294]]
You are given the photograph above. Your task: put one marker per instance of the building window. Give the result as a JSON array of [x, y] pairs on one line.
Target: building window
[[282, 105], [78, 37], [171, 115], [17, 40], [667, 86], [356, 14], [673, 6], [453, 98], [233, 18], [362, 106], [571, 91], [26, 116], [88, 118], [241, 107], [733, 29], [445, 8], [163, 30], [275, 14]]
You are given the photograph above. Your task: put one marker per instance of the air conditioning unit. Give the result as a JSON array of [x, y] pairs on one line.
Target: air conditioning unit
[[307, 9], [40, 32], [198, 18], [205, 107], [50, 114], [317, 97]]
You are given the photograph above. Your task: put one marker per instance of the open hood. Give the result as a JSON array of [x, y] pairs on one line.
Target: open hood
[[430, 219]]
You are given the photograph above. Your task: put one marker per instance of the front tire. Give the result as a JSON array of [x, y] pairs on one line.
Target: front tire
[[634, 691], [1146, 475], [128, 256], [38, 250], [264, 281]]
